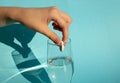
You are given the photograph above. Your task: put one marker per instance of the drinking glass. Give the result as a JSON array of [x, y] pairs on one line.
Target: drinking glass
[[60, 63]]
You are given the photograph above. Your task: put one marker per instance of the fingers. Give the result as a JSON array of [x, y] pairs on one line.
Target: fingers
[[63, 30], [51, 35], [62, 22], [68, 21], [65, 35], [67, 18]]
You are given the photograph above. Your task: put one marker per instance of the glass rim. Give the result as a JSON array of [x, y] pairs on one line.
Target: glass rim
[[50, 42]]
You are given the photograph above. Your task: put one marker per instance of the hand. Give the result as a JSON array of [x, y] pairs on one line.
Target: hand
[[39, 18]]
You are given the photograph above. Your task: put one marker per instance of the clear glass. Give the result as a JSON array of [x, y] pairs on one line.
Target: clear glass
[[60, 63]]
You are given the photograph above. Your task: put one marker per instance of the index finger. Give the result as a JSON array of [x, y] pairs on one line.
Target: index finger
[[62, 21]]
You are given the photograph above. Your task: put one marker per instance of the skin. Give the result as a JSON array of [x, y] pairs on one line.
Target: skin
[[38, 20]]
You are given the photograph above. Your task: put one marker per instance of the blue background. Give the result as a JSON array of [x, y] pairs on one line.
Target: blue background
[[95, 34]]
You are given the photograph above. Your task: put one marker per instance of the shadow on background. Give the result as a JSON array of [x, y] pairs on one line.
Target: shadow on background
[[23, 55]]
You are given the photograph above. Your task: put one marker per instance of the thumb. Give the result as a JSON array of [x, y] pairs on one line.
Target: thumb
[[53, 36]]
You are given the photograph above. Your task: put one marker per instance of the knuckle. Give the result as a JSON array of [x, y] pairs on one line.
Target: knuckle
[[54, 7], [53, 10], [70, 20]]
